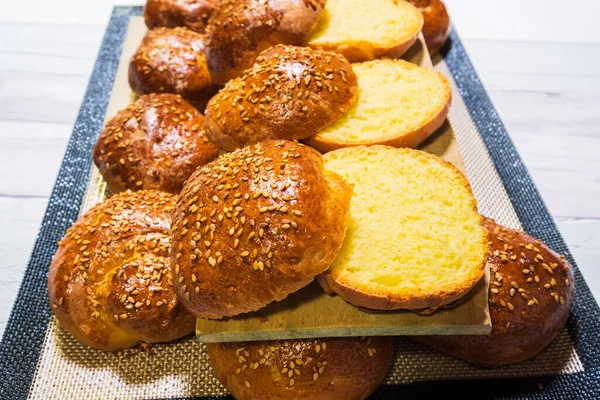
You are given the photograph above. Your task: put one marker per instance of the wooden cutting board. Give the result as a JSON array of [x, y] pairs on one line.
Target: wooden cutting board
[[310, 312]]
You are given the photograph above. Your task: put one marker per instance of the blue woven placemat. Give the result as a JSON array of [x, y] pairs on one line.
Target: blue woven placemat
[[23, 338]]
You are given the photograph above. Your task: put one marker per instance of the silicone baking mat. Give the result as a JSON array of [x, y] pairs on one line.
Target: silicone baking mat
[[39, 361]]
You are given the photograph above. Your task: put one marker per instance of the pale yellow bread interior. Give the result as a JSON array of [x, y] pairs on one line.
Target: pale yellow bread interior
[[399, 104], [415, 238], [363, 30]]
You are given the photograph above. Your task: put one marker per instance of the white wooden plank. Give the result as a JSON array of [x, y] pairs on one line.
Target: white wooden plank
[[583, 238], [531, 20], [559, 141], [34, 96], [30, 156], [530, 66], [20, 219]]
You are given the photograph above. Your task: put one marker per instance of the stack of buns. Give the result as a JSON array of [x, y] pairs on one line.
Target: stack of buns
[[191, 234]]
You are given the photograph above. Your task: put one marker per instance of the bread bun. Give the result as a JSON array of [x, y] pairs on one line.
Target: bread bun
[[172, 60], [193, 14], [414, 239], [398, 104], [436, 28], [156, 142], [315, 369], [364, 30], [110, 282], [531, 294], [254, 226], [289, 93], [240, 29]]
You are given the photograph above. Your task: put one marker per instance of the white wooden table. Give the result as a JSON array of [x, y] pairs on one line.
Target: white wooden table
[[539, 60]]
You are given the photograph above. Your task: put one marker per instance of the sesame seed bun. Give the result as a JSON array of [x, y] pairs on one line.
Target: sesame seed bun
[[172, 60], [193, 14], [531, 294], [436, 28], [240, 29], [316, 369], [156, 142], [289, 93], [254, 226], [110, 280]]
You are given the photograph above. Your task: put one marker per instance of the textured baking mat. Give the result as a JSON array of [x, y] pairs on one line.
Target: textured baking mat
[[38, 360]]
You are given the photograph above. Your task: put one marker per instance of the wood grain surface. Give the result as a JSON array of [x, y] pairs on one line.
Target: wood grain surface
[[542, 75]]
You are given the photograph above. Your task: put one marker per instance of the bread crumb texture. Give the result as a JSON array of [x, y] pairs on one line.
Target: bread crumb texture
[[380, 24], [414, 228], [395, 100]]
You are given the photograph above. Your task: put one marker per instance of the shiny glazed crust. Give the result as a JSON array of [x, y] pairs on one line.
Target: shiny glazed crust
[[193, 14], [157, 142], [315, 369], [352, 293], [436, 28], [254, 226], [110, 282], [290, 93], [172, 60], [240, 29], [531, 294]]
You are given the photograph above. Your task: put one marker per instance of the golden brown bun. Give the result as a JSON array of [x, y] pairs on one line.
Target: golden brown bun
[[110, 281], [192, 14], [290, 93], [172, 60], [531, 294], [254, 226], [240, 29], [436, 28], [157, 142], [315, 369]]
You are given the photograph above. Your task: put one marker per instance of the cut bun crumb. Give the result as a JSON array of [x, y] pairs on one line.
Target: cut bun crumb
[[414, 239], [399, 104], [364, 30]]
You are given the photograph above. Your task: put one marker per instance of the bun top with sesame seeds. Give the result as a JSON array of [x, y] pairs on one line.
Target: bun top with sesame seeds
[[192, 14], [531, 294], [240, 29], [156, 142], [254, 226], [316, 369], [289, 93], [110, 282], [172, 60]]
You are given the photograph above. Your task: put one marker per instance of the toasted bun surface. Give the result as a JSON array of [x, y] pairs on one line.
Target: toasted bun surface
[[414, 239], [157, 142], [436, 28], [316, 369], [171, 60], [110, 280], [289, 93], [254, 226], [398, 104], [192, 14], [240, 29], [364, 30], [531, 294]]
